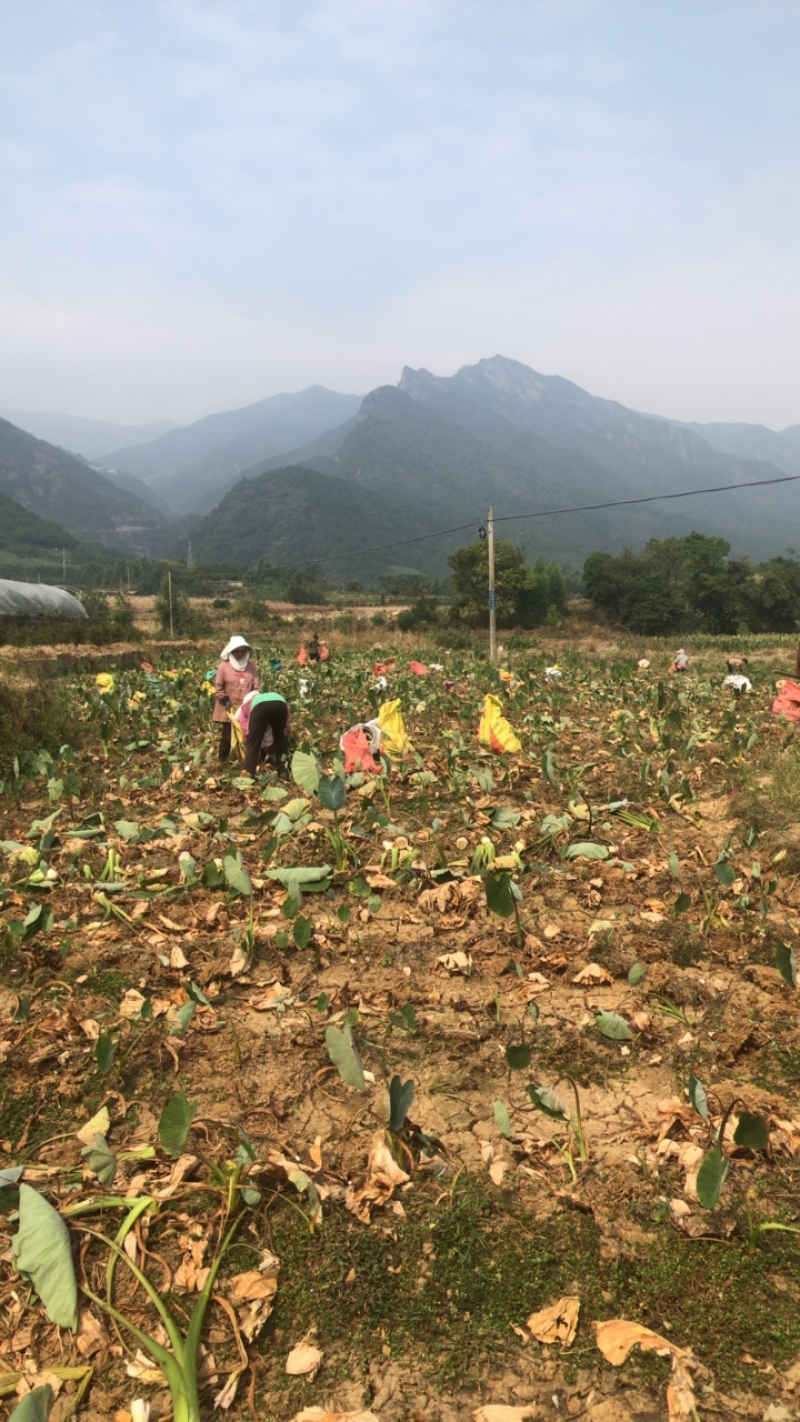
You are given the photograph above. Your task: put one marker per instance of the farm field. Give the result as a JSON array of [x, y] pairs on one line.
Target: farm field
[[414, 1055]]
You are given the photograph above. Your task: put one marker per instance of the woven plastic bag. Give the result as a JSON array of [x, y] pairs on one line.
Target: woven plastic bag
[[357, 747], [494, 730], [394, 739], [787, 702]]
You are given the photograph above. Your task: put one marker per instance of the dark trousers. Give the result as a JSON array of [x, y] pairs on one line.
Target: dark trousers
[[225, 741], [267, 713]]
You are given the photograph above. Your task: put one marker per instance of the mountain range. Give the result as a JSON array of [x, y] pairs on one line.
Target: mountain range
[[321, 475], [65, 490], [433, 452], [89, 437], [187, 466]]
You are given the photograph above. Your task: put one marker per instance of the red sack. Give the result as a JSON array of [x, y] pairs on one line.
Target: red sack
[[418, 668], [324, 654], [302, 656], [381, 668], [787, 702], [357, 753]]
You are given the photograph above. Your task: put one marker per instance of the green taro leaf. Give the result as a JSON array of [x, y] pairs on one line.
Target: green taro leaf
[[682, 903], [345, 1058], [401, 1095], [127, 830], [236, 874], [302, 931], [610, 1024], [751, 1132], [35, 1407], [586, 850], [104, 1049], [504, 819], [187, 867], [637, 974], [549, 769], [310, 880], [786, 963], [499, 898], [518, 1056], [674, 865], [332, 792], [725, 873], [212, 877], [698, 1097], [711, 1178], [547, 1101], [185, 1014], [405, 1017], [175, 1123], [533, 1010], [43, 1254], [100, 1161], [305, 772], [502, 1118]]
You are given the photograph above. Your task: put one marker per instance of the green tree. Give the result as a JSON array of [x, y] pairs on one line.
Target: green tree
[[524, 595]]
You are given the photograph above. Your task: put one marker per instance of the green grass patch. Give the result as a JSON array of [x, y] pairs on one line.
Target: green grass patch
[[486, 1262]]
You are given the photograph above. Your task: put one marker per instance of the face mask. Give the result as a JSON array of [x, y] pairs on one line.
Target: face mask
[[239, 662]]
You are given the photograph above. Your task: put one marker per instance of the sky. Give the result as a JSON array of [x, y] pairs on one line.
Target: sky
[[205, 202]]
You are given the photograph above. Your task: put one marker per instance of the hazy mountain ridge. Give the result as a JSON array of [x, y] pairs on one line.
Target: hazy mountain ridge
[[426, 454], [189, 464], [82, 436], [59, 487]]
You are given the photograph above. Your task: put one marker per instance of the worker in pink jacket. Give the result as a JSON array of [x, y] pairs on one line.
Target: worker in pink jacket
[[236, 676]]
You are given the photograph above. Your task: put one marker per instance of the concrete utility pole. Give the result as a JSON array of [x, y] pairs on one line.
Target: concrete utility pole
[[492, 594], [64, 565], [169, 582]]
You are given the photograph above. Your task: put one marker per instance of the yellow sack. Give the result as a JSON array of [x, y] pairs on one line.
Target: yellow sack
[[494, 730], [394, 740], [237, 736]]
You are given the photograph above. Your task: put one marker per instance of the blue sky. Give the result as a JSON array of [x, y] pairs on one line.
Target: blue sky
[[204, 203]]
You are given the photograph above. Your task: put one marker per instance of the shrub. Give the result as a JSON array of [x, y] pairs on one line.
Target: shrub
[[33, 717], [187, 621], [251, 610]]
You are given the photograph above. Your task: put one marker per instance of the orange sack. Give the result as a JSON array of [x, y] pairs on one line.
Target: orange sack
[[787, 702]]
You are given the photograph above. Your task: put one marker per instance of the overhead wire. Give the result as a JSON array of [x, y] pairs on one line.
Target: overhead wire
[[550, 513]]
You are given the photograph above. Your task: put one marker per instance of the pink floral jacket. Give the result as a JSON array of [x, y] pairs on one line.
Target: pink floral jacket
[[235, 685]]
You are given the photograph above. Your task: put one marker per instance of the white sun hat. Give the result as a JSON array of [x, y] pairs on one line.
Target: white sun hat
[[236, 644]]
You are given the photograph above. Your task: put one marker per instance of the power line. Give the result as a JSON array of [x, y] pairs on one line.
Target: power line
[[549, 513]]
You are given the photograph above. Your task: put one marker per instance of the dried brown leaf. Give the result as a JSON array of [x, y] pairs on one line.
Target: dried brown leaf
[[557, 1323]]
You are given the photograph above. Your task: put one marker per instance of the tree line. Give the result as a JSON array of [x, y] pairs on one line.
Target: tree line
[[692, 584]]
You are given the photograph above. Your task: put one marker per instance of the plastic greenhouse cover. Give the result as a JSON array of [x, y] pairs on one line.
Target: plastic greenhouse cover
[[37, 600]]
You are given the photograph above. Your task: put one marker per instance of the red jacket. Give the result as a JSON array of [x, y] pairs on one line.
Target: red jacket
[[235, 685]]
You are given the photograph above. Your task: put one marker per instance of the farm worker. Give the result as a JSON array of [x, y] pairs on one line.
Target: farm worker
[[324, 654], [735, 664], [313, 649], [235, 677], [681, 662], [264, 719]]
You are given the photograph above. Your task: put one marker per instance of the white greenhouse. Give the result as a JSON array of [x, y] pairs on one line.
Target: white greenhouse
[[37, 600]]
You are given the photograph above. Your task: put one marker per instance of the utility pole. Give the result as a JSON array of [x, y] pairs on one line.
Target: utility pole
[[492, 594], [189, 559], [64, 565], [169, 584]]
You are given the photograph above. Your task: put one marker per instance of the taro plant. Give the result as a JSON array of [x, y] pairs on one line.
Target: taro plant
[[751, 1133], [550, 1104], [43, 1254]]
